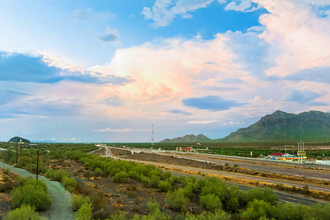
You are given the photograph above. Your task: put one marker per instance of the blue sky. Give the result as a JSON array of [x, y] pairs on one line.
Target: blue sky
[[105, 70]]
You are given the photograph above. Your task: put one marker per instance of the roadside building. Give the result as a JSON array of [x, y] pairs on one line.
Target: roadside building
[[186, 149], [280, 156]]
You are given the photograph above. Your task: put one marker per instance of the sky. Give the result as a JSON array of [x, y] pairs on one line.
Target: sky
[[106, 70]]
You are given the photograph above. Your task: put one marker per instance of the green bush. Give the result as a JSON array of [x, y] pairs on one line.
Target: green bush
[[31, 194], [56, 175], [78, 201], [23, 213], [210, 202], [98, 172], [164, 186], [121, 177], [265, 194], [85, 212], [154, 181], [177, 200], [69, 183], [218, 215], [258, 209], [118, 216]]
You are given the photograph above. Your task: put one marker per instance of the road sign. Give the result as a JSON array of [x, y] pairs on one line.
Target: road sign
[[301, 153]]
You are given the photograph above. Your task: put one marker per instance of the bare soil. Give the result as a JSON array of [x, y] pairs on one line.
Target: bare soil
[[7, 182], [131, 197]]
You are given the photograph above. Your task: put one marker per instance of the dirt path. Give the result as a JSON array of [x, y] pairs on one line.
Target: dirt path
[[61, 199]]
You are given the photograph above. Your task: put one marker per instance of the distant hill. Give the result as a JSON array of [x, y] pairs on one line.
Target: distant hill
[[188, 138], [307, 126], [16, 140]]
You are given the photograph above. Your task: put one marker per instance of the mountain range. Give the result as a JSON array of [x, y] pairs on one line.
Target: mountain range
[[278, 126], [188, 138]]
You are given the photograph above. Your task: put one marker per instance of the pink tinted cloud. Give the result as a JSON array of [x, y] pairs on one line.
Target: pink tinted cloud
[[299, 39]]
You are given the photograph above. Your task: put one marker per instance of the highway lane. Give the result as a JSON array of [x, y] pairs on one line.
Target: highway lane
[[284, 168], [283, 196]]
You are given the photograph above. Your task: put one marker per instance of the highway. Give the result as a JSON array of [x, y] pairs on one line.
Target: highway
[[320, 172], [283, 196]]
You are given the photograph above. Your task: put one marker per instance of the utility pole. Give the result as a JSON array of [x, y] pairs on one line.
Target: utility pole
[[16, 153], [152, 135], [37, 172]]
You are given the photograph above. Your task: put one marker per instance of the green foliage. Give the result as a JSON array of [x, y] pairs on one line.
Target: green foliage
[[165, 186], [118, 216], [210, 202], [31, 194], [121, 177], [227, 195], [313, 126], [79, 200], [56, 175], [218, 215], [258, 209], [23, 213], [85, 212], [265, 194], [98, 172], [177, 200], [69, 183]]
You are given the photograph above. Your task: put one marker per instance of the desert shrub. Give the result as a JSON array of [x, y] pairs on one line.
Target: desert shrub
[[121, 177], [145, 180], [69, 183], [6, 171], [189, 190], [85, 212], [321, 212], [56, 175], [258, 209], [154, 180], [154, 212], [265, 194], [166, 175], [23, 213], [164, 186], [32, 167], [291, 211], [118, 216], [79, 200], [218, 215], [31, 194], [98, 172], [227, 195], [8, 156], [306, 190], [177, 200], [210, 202]]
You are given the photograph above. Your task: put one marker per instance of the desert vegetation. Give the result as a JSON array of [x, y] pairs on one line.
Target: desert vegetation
[[178, 197]]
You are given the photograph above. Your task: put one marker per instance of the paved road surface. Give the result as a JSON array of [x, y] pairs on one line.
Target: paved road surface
[[61, 199]]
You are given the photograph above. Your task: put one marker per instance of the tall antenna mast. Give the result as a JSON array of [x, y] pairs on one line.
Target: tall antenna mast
[[152, 134]]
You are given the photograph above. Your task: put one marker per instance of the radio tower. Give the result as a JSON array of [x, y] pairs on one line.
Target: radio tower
[[152, 135]]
